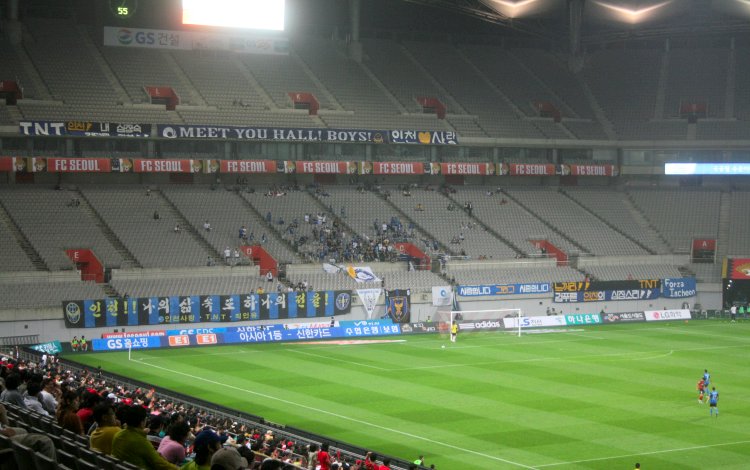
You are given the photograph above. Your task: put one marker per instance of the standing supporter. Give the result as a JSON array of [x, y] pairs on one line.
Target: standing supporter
[[172, 447], [66, 413], [131, 445], [107, 426], [324, 458]]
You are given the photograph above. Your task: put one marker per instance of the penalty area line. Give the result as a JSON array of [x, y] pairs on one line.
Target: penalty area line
[[340, 416], [665, 451]]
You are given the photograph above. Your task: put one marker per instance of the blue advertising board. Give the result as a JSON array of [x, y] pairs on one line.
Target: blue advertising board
[[678, 288], [248, 334], [504, 289]]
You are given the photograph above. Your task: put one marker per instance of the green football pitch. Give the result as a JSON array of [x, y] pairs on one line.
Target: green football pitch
[[601, 397]]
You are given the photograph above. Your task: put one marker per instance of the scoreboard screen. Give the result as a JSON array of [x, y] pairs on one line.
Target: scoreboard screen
[[249, 14]]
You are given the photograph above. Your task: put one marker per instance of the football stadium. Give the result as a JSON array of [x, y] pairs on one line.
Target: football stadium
[[374, 234]]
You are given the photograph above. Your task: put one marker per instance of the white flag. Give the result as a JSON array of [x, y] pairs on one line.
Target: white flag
[[362, 274], [331, 268], [369, 298], [442, 295]]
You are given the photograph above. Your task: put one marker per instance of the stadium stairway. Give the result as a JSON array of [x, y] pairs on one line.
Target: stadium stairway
[[129, 260], [196, 99], [487, 228], [725, 220], [114, 82], [270, 229], [607, 223], [638, 214], [33, 255], [188, 227], [545, 222]]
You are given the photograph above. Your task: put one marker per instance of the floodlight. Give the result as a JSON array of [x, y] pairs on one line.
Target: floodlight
[[631, 15]]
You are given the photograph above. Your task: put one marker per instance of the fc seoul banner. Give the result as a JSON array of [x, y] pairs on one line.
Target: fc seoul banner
[[97, 313], [331, 168], [466, 169], [396, 168], [247, 166], [531, 169], [78, 165], [589, 170]]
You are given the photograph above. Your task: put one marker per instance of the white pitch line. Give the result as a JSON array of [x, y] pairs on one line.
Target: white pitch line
[[307, 353], [665, 451], [354, 420]]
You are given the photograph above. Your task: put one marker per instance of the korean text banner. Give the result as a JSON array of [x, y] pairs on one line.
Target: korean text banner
[[580, 286], [423, 137], [606, 295], [204, 308], [504, 289], [84, 129], [248, 334]]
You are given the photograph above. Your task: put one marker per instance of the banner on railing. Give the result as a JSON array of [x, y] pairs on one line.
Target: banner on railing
[[504, 289], [606, 295], [84, 129], [249, 334], [678, 288], [204, 308]]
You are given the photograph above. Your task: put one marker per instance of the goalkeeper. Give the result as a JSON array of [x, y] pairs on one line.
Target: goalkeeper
[[454, 331]]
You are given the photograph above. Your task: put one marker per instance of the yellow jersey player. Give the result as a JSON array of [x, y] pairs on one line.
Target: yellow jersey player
[[454, 331]]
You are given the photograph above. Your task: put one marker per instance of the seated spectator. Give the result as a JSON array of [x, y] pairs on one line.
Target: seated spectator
[[107, 426], [37, 442], [419, 207], [67, 416], [11, 393], [33, 399], [228, 458], [131, 444], [207, 226], [206, 444], [177, 228], [156, 215], [172, 447], [86, 411]]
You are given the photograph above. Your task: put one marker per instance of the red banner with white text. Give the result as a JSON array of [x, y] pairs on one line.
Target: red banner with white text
[[247, 166], [397, 168]]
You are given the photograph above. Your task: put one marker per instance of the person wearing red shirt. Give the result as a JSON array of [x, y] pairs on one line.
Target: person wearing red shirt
[[701, 388], [386, 465], [324, 458]]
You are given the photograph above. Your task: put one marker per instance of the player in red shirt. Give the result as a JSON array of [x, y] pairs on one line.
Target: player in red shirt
[[324, 458], [701, 388]]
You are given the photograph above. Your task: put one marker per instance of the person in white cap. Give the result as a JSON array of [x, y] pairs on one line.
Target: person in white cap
[[228, 458]]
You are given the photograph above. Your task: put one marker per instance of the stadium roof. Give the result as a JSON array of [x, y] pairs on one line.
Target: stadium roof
[[602, 20]]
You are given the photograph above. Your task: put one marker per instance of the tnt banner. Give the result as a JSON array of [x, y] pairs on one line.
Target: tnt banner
[[531, 169], [84, 129], [333, 168], [467, 169], [112, 312], [580, 286], [397, 168], [398, 305], [247, 166], [79, 165], [423, 137]]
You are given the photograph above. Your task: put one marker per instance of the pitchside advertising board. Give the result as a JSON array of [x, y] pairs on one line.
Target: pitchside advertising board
[[248, 334], [204, 308], [504, 289], [624, 317], [666, 315]]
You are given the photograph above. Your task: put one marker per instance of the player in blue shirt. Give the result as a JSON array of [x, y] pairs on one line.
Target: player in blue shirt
[[706, 378], [713, 401]]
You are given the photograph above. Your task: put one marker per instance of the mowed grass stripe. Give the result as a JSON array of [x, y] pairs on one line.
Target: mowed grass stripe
[[534, 400]]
